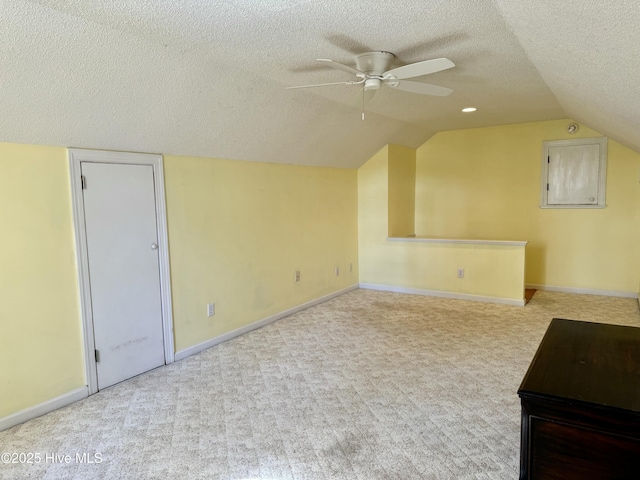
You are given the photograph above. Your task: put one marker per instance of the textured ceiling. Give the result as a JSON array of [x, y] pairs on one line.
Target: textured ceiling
[[208, 78]]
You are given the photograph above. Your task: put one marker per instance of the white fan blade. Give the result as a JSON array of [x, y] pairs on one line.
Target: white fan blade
[[340, 66], [323, 85], [419, 87], [421, 68]]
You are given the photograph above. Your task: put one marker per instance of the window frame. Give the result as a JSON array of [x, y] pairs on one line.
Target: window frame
[[602, 171]]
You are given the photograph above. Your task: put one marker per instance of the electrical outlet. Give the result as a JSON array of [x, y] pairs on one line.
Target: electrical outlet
[[337, 271], [461, 273], [351, 267], [211, 309], [296, 276]]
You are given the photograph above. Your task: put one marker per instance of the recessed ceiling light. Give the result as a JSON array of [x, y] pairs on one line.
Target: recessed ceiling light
[[469, 109]]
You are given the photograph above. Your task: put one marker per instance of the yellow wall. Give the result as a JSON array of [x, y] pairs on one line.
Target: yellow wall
[[485, 183], [490, 270], [239, 230], [40, 329], [373, 213], [493, 271], [402, 189]]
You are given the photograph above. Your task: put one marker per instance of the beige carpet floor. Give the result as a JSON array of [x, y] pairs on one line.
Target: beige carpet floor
[[371, 385]]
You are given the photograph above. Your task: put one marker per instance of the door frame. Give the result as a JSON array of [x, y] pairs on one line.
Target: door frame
[[76, 156]]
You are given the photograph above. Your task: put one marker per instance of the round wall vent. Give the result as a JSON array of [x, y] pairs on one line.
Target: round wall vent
[[572, 128]]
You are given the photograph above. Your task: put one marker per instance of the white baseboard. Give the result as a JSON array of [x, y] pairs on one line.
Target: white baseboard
[[187, 352], [438, 293], [44, 407], [585, 291]]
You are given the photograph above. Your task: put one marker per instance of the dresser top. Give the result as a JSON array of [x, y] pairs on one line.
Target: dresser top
[[586, 362]]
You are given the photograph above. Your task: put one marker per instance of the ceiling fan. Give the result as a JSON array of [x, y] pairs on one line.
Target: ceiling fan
[[372, 71]]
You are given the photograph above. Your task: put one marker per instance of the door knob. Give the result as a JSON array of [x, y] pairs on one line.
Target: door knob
[[154, 246]]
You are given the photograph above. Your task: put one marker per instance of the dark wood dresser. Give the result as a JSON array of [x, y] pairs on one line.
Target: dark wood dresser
[[581, 404]]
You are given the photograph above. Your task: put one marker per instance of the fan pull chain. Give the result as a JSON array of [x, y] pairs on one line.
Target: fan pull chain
[[362, 103]]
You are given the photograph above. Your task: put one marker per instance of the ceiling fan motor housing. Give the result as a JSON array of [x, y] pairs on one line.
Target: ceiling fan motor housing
[[374, 63]]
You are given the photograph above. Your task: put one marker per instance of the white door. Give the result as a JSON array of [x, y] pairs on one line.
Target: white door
[[121, 234]]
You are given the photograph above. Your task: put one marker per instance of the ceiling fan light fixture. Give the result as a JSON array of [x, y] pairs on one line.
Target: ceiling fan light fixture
[[372, 84], [469, 109]]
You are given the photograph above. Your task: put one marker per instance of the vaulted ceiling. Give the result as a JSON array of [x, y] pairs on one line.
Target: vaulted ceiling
[[208, 78]]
